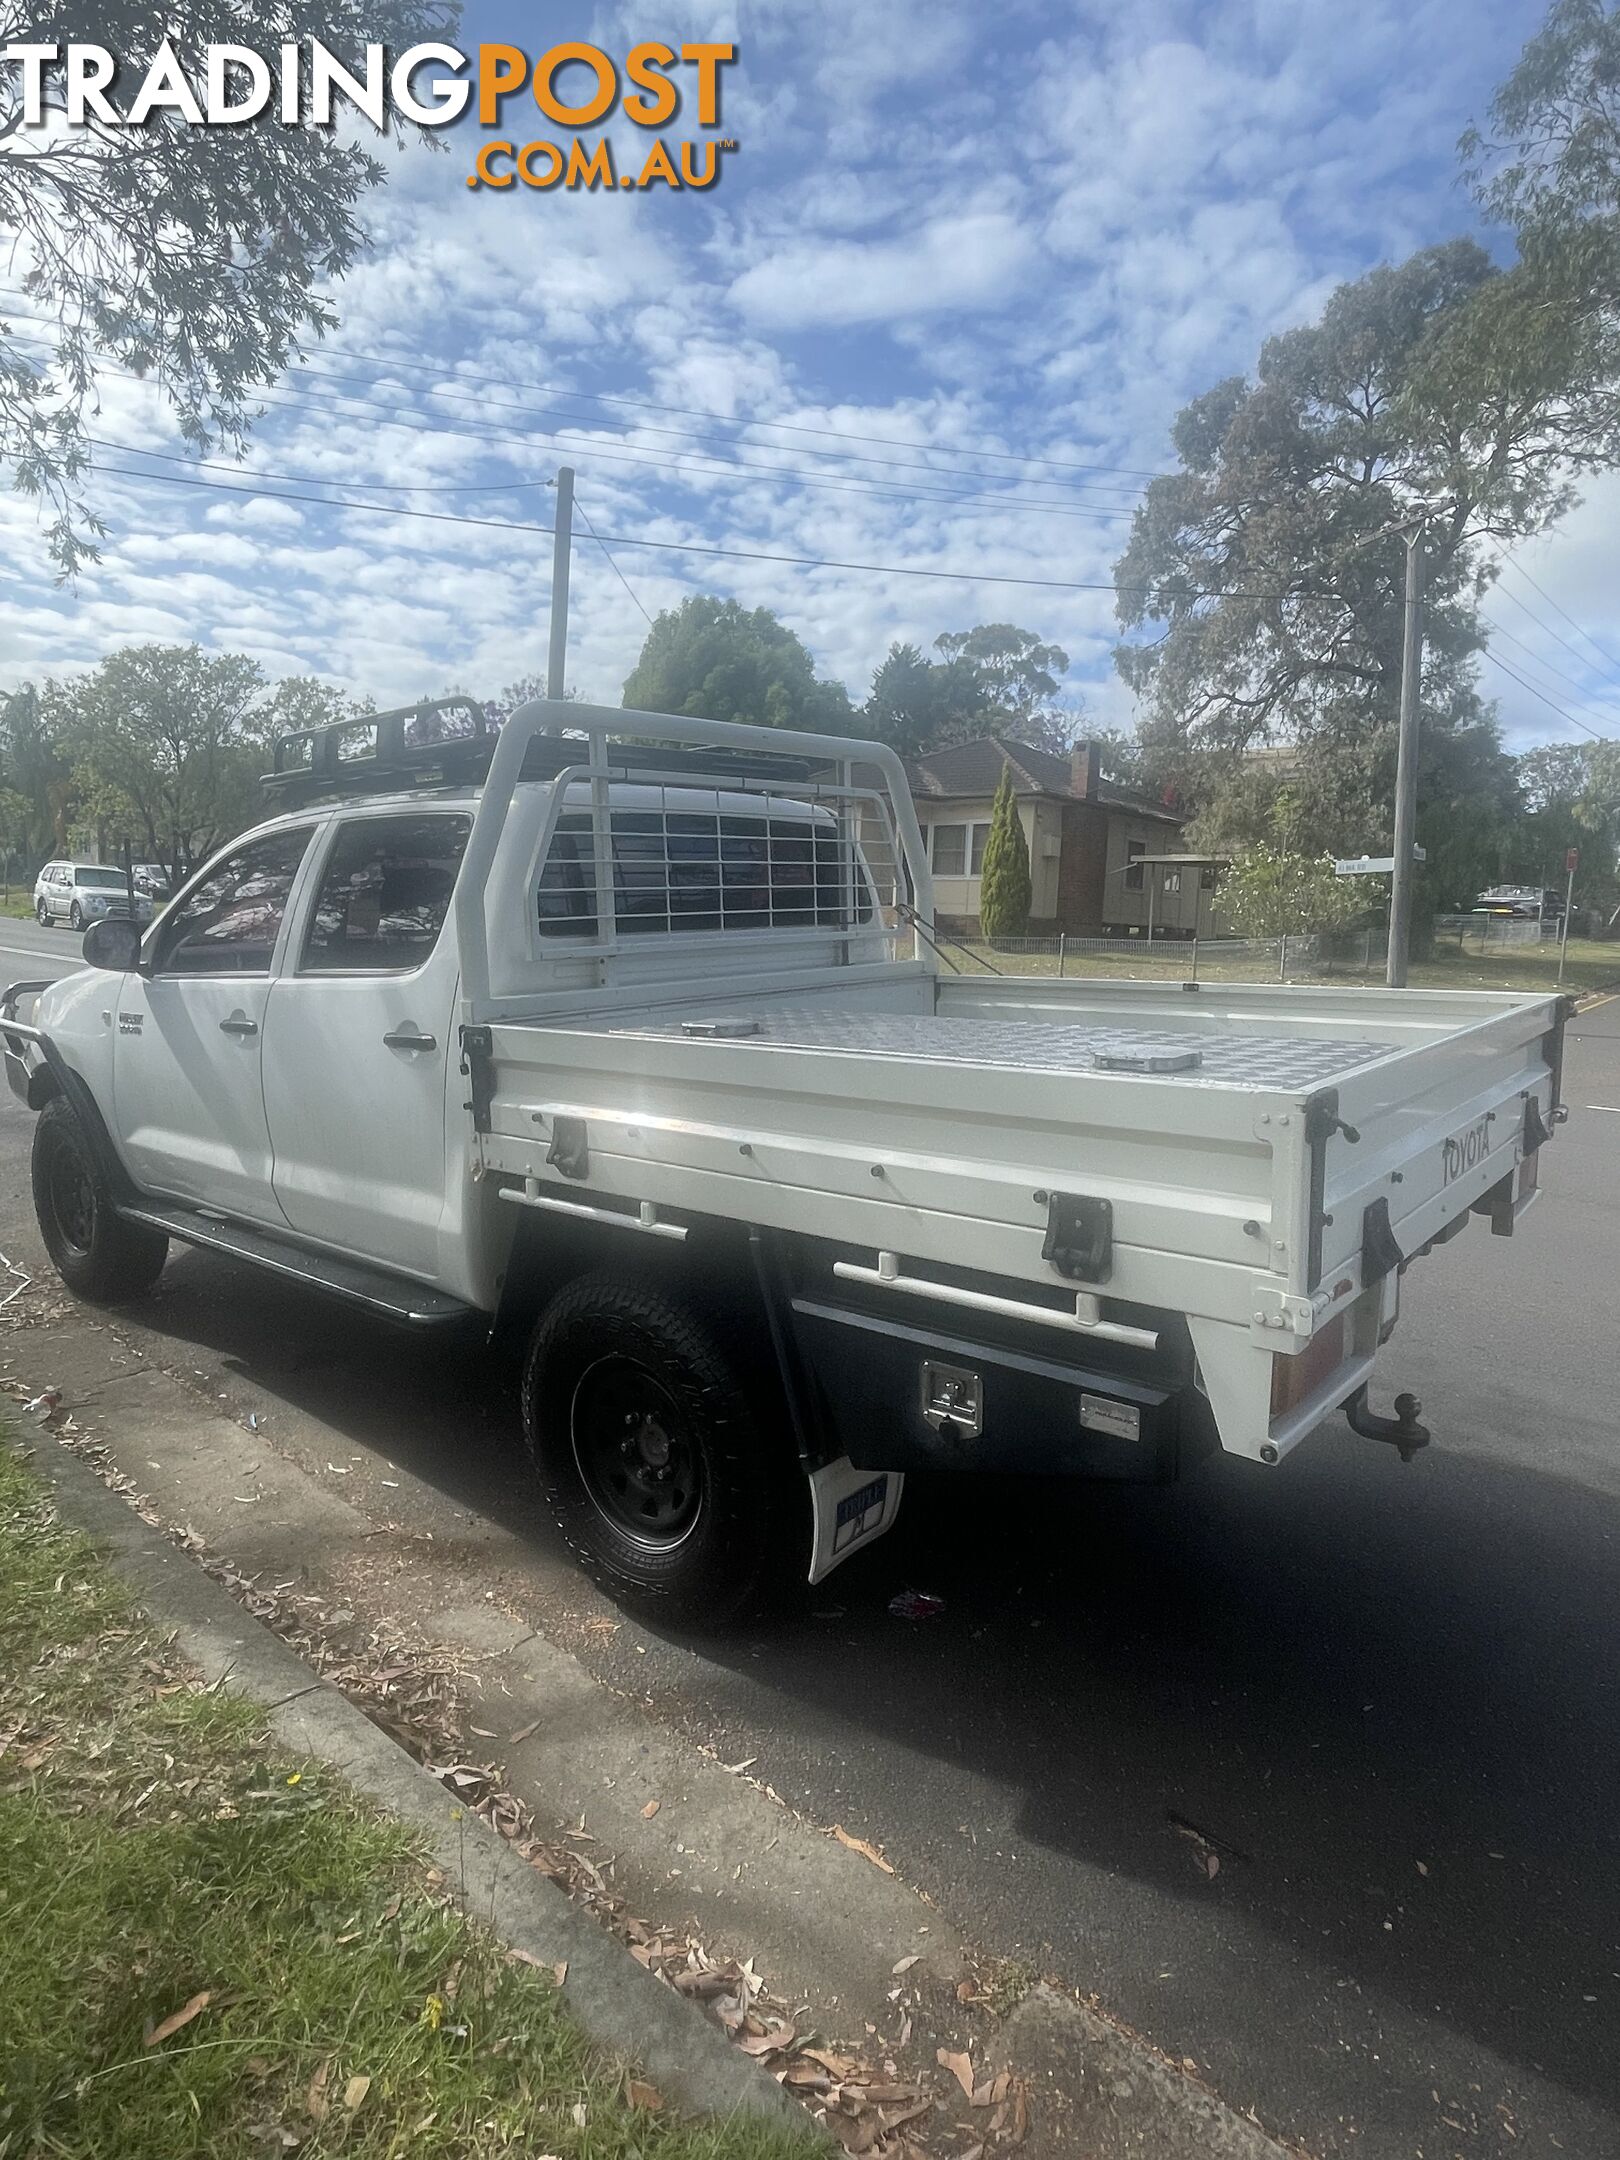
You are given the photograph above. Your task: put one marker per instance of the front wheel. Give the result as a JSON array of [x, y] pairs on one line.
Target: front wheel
[[75, 917], [42, 914], [97, 1254], [643, 1427]]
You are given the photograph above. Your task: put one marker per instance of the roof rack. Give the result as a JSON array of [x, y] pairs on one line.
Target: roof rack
[[448, 742]]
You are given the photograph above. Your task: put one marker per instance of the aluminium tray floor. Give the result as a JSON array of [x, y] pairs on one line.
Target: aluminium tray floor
[[1226, 1059]]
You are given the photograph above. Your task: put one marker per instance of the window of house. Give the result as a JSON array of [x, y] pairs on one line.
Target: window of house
[[979, 835], [1134, 873], [1206, 878], [950, 850], [228, 924], [385, 894], [677, 870]]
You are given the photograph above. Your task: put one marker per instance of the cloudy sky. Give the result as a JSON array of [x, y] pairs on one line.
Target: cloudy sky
[[937, 315]]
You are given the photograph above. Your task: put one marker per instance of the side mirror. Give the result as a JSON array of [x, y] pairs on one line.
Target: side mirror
[[113, 943]]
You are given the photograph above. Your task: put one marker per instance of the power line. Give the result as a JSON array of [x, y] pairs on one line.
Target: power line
[[676, 547], [1546, 666], [420, 424], [700, 413], [608, 552], [1549, 629], [1607, 658], [1496, 660]]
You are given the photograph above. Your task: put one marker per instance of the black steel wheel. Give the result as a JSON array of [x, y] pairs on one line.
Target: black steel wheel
[[641, 1419], [97, 1254]]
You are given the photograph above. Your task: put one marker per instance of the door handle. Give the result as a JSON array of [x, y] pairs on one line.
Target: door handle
[[239, 1024], [407, 1038]]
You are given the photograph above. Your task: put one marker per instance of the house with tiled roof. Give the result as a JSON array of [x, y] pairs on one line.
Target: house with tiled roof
[[1096, 851]]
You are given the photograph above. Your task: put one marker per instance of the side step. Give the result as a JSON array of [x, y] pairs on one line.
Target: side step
[[390, 1297]]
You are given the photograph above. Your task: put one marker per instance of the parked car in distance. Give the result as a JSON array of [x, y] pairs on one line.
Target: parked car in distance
[[152, 879], [1521, 903], [82, 893]]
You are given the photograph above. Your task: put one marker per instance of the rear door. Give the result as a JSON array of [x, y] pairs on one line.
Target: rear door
[[358, 1038], [188, 1091]]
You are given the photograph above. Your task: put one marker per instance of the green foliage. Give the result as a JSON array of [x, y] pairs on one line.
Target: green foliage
[[1267, 893], [1014, 683], [36, 777], [1005, 894], [714, 659], [1572, 799], [193, 257], [152, 1850]]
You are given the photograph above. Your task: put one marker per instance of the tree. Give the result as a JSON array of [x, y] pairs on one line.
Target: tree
[[1015, 681], [1571, 795], [37, 778], [190, 256], [168, 744], [1266, 893], [1272, 561], [714, 659], [1005, 895], [917, 704]]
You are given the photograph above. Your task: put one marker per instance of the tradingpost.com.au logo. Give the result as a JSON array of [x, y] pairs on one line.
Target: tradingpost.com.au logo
[[572, 87]]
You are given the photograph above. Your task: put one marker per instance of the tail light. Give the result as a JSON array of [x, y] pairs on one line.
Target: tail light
[[1293, 1378]]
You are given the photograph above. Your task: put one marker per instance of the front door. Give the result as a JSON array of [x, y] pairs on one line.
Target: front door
[[358, 1040], [188, 1091]]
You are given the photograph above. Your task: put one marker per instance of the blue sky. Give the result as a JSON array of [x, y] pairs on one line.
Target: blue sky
[[1033, 232]]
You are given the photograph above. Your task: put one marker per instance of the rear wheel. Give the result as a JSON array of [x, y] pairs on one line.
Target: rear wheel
[[97, 1254], [643, 1426]]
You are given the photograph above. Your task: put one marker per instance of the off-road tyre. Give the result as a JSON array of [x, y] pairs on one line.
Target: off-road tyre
[[97, 1254], [644, 1423]]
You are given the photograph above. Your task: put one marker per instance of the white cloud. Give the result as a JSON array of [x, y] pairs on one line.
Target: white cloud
[[971, 261]]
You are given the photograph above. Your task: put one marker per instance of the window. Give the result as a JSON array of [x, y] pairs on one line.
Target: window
[[950, 850], [1206, 878], [228, 924], [701, 870], [1134, 874], [979, 835], [100, 880], [385, 894]]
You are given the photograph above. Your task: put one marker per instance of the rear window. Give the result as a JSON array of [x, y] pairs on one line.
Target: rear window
[[677, 870], [102, 880]]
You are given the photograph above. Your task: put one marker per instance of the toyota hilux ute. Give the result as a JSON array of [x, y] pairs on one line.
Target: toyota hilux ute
[[631, 1031]]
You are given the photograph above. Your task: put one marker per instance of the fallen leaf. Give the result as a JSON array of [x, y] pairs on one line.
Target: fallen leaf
[[906, 1963], [524, 1732], [642, 2095], [960, 2067], [780, 2035], [1019, 2127], [355, 2092], [649, 1811], [859, 1845], [579, 2114], [315, 2097], [559, 1971], [736, 1769], [176, 2018]]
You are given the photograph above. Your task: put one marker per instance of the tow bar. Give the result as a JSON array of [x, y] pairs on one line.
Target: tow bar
[[1400, 1431]]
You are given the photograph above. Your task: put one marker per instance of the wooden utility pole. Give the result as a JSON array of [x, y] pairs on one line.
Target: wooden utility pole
[[562, 549]]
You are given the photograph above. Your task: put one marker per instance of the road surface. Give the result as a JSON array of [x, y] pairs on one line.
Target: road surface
[[1383, 1696]]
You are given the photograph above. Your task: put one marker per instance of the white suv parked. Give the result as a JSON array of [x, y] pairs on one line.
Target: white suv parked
[[82, 893]]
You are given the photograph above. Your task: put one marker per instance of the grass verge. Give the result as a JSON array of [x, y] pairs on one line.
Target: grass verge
[[206, 1949]]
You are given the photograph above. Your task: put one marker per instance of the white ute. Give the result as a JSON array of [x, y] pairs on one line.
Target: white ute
[[630, 1030]]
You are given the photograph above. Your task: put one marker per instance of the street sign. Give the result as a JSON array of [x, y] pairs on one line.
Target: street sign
[[1572, 860], [1374, 865]]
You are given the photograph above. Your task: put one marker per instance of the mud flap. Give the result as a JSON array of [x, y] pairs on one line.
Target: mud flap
[[851, 1508]]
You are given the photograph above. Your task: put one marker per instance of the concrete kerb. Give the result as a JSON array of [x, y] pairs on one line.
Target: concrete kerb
[[623, 2008]]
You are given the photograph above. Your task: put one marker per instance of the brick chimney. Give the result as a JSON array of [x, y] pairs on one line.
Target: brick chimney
[[1086, 771]]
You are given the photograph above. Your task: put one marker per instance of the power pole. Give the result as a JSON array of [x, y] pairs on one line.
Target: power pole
[[1400, 884], [562, 550]]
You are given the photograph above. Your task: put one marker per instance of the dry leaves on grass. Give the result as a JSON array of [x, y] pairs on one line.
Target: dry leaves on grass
[[176, 2018]]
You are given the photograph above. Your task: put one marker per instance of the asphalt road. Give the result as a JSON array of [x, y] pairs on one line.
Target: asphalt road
[[1383, 1695]]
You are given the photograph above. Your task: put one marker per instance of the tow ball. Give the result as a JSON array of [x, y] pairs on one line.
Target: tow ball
[[1400, 1431]]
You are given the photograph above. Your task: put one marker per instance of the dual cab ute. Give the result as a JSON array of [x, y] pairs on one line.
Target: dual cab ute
[[630, 1030]]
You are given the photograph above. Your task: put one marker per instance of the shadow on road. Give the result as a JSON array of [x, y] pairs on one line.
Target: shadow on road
[[1385, 1696]]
